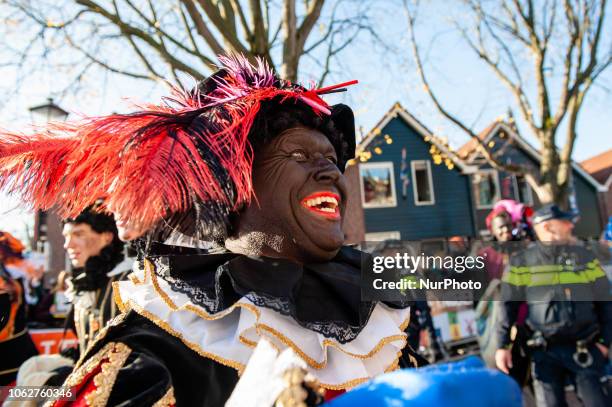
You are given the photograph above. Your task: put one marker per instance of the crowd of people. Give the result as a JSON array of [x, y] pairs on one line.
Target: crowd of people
[[234, 195], [549, 310]]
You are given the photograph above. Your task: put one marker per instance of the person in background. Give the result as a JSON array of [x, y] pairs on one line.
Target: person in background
[[507, 239], [569, 311], [96, 255], [15, 342], [421, 320]]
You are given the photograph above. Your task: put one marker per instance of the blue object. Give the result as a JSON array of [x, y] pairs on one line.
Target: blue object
[[467, 383], [608, 232]]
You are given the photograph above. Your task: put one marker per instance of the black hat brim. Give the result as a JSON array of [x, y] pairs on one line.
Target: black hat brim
[[344, 121]]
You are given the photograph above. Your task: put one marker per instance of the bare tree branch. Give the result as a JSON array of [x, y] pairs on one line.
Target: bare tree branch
[[131, 31], [523, 31], [515, 169], [106, 66]]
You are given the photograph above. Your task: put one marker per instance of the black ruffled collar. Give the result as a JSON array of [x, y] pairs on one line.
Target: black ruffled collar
[[322, 297], [95, 273]]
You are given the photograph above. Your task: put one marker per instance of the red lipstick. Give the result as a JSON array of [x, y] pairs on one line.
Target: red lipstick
[[323, 203]]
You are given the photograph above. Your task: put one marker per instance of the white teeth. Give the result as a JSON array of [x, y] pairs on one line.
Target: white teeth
[[330, 210], [315, 202]]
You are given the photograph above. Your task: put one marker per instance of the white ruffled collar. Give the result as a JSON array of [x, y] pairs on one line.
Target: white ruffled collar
[[230, 336]]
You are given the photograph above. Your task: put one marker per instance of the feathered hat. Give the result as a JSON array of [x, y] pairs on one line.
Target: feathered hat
[[191, 155]]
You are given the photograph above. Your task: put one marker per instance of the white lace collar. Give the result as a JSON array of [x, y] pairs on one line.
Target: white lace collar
[[230, 336]]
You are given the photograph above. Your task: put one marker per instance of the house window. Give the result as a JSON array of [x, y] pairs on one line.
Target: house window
[[382, 236], [422, 184], [524, 194], [508, 186], [486, 188], [377, 185]]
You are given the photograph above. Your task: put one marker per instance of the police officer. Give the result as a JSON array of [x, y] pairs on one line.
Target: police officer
[[570, 316]]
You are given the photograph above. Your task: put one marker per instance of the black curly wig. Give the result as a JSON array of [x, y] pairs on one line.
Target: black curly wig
[[111, 255]]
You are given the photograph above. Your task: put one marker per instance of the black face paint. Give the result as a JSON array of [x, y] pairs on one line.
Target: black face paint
[[300, 199]]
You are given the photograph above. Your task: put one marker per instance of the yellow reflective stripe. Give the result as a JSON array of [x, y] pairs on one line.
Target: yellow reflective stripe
[[595, 273], [519, 279], [594, 263], [547, 268], [573, 278], [552, 276]]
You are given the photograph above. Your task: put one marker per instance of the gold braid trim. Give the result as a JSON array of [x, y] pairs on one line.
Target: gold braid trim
[[238, 365], [327, 343], [116, 353], [105, 379], [346, 385], [259, 327], [193, 346], [167, 399], [117, 297], [395, 364], [150, 275], [101, 334], [132, 276], [82, 370]]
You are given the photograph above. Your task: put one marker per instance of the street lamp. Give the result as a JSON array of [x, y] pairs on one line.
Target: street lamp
[[47, 225], [43, 114]]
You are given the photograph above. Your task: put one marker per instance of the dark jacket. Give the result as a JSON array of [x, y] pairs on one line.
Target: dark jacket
[[15, 343], [155, 362], [566, 290]]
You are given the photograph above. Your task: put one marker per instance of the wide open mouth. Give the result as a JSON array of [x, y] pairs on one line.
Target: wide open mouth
[[323, 203]]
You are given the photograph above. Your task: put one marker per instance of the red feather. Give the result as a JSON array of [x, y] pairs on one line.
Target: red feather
[[34, 166], [156, 162]]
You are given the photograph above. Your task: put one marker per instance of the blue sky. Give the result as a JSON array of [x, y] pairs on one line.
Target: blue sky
[[465, 85]]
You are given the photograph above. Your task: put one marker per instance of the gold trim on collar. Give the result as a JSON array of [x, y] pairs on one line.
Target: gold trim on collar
[[238, 365], [150, 276], [193, 346], [117, 297], [167, 399]]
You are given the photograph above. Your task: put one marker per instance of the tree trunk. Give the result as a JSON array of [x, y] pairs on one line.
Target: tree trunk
[[552, 188], [289, 66]]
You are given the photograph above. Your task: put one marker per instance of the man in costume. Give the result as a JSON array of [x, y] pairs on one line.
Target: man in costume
[[96, 254], [255, 164]]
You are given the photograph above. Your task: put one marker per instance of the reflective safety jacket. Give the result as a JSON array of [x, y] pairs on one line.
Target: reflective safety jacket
[[566, 290]]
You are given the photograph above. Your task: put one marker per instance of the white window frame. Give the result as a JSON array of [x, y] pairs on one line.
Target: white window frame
[[386, 165], [382, 236], [414, 184], [517, 196], [496, 197]]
